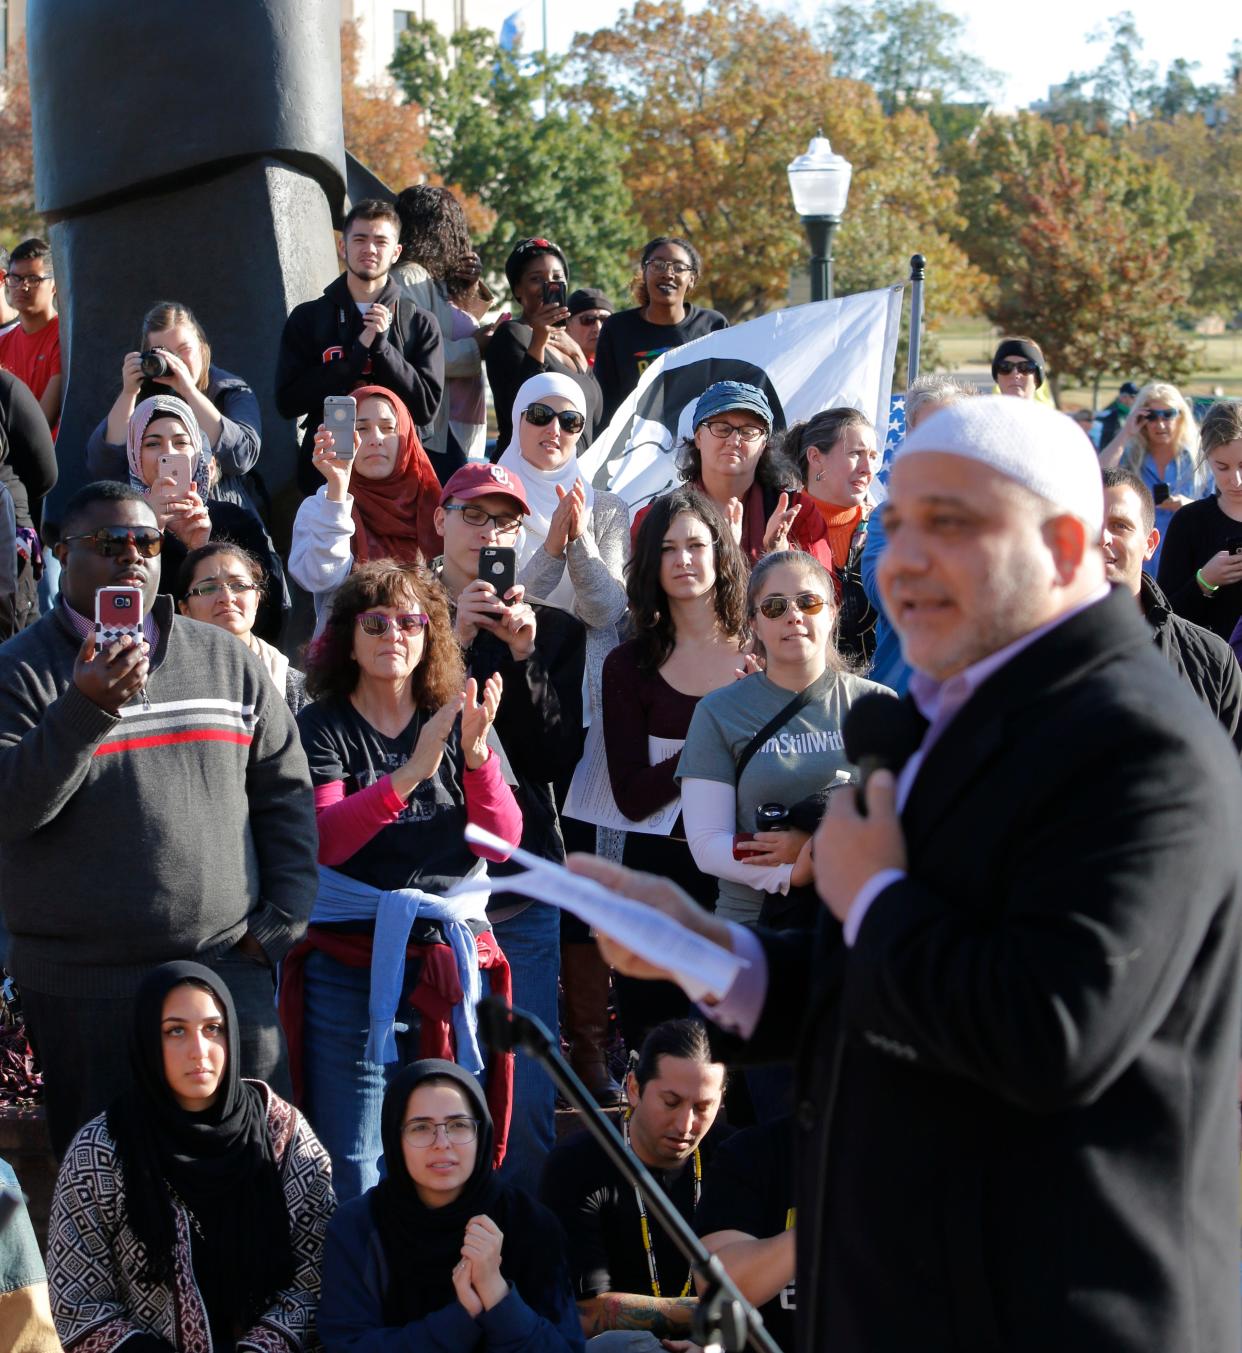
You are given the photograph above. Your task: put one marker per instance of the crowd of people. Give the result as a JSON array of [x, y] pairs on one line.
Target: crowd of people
[[247, 928]]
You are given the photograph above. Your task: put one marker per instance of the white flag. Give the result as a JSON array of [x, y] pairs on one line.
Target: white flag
[[808, 358]]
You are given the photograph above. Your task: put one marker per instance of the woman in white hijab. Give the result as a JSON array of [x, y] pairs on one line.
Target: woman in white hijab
[[576, 539], [572, 554]]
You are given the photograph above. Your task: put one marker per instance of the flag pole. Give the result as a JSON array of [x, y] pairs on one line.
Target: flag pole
[[918, 268]]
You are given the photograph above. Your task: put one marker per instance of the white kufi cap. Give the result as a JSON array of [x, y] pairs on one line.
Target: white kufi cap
[[1026, 441]]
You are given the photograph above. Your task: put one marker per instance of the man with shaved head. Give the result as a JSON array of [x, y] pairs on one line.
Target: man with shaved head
[[1016, 1105]]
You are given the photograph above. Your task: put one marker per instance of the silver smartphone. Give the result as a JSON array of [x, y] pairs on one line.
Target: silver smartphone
[[340, 413]]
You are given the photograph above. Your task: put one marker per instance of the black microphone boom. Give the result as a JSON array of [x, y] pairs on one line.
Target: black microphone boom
[[880, 733]]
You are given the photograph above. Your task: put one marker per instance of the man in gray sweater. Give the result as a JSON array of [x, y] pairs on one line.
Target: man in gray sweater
[[157, 806]]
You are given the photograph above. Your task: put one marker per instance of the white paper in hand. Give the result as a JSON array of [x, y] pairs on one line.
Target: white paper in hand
[[702, 968]]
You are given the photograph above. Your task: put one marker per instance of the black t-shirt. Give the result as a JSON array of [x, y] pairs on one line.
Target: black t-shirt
[[750, 1188], [424, 847], [628, 344], [599, 1212]]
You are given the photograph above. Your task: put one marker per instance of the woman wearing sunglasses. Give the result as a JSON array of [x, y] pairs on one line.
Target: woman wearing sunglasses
[[221, 584], [576, 539], [686, 582], [668, 271], [441, 1255], [1201, 563], [397, 744], [752, 831], [1159, 441], [572, 554], [537, 341], [168, 463], [378, 502]]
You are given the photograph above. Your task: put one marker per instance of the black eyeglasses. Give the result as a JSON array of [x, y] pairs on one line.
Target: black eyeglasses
[[669, 265], [475, 516], [1007, 368], [747, 435], [809, 603], [540, 415], [15, 283], [376, 623], [109, 541]]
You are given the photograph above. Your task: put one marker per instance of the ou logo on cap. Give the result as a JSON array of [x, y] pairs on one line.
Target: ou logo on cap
[[500, 475]]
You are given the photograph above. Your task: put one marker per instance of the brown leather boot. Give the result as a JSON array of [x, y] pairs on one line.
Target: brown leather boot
[[584, 980]]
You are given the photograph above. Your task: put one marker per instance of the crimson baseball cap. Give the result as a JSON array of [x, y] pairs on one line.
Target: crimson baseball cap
[[478, 479]]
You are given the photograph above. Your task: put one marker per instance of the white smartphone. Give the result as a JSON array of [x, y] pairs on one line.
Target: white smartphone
[[340, 413]]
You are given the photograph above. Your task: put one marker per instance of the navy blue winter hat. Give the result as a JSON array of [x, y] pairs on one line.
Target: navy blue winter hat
[[726, 395]]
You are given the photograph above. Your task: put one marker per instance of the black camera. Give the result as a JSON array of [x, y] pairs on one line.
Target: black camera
[[154, 363], [122, 603], [771, 817]]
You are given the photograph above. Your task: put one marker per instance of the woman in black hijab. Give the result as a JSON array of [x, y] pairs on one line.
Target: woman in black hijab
[[441, 1256], [198, 1203]]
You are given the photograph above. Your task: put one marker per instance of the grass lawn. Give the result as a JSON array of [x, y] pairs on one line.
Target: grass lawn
[[966, 346]]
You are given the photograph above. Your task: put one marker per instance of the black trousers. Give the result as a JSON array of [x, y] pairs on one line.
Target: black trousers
[[82, 1043]]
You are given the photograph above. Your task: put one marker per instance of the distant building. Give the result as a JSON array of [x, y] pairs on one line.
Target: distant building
[[381, 23]]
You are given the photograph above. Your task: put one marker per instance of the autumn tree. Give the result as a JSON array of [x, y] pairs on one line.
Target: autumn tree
[[18, 218], [1092, 247], [1206, 157], [498, 124], [713, 105]]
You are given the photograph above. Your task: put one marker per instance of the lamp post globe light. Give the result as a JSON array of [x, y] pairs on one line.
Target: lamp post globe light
[[819, 182]]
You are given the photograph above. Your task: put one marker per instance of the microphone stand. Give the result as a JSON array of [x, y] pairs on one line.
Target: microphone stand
[[725, 1322]]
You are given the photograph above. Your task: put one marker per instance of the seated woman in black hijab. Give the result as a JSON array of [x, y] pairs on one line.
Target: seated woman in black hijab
[[192, 1214], [440, 1257]]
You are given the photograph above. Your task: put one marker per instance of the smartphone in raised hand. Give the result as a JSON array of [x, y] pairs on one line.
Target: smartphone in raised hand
[[340, 415]]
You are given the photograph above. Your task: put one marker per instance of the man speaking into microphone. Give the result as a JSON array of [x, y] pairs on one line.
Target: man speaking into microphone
[[1017, 1115]]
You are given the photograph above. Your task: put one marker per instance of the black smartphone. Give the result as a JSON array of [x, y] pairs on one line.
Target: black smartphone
[[498, 566], [554, 293], [1159, 493], [1234, 544]]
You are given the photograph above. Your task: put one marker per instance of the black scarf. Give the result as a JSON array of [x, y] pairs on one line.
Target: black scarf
[[422, 1244], [219, 1162]]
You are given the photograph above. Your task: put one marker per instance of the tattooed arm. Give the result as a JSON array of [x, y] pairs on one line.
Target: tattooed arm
[[665, 1317]]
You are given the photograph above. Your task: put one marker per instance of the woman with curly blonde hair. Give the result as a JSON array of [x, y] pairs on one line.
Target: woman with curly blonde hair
[[397, 744], [1159, 441]]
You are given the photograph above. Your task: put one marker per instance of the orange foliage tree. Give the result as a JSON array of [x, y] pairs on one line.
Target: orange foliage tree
[[388, 135], [712, 107], [18, 218]]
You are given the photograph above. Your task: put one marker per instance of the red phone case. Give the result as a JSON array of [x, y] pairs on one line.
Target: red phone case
[[118, 611]]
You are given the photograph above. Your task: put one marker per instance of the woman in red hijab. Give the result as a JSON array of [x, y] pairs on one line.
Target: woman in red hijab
[[378, 503]]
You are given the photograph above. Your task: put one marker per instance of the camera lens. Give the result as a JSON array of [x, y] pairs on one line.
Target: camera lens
[[153, 364], [769, 816]]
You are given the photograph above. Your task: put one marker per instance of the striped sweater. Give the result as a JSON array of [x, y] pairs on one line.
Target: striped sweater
[[163, 833]]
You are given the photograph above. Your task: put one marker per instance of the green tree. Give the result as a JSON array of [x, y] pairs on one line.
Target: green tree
[[498, 124], [1206, 157], [713, 105], [1092, 247], [909, 51]]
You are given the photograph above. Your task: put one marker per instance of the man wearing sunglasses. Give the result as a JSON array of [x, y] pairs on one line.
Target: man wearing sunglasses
[[539, 652], [1018, 367], [588, 309], [157, 807], [1020, 1010]]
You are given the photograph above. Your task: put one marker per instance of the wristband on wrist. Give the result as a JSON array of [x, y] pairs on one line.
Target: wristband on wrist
[[1207, 588]]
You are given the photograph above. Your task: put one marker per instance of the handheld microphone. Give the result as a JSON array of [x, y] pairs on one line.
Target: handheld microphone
[[880, 733]]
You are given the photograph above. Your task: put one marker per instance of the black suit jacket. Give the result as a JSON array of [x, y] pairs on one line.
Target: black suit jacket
[[1017, 1115]]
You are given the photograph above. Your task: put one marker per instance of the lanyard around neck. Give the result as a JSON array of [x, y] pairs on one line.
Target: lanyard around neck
[[645, 1226]]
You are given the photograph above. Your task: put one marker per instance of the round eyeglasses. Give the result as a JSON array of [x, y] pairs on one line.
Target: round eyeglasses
[[422, 1132]]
